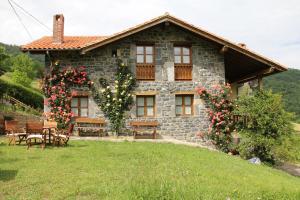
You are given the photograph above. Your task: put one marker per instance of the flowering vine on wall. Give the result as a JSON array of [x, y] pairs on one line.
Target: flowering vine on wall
[[115, 100], [220, 109], [57, 89]]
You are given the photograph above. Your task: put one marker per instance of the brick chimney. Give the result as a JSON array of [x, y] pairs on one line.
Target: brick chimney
[[58, 28]]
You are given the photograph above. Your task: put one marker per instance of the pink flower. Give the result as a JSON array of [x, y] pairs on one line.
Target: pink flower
[[53, 97]]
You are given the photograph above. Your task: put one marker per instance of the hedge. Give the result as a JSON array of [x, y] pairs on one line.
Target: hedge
[[23, 94]]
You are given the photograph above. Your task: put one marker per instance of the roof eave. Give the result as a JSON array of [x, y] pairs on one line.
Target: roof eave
[[190, 27]]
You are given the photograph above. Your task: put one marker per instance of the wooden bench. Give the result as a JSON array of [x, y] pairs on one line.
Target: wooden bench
[[141, 125], [95, 125]]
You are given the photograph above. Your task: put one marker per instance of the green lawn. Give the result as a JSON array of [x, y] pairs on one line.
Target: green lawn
[[136, 170]]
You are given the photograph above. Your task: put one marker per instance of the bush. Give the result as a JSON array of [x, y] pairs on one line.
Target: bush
[[21, 93], [254, 145], [267, 125], [21, 78], [289, 149]]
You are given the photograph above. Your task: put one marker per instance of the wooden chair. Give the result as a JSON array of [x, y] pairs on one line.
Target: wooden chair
[[35, 131], [14, 131], [63, 136]]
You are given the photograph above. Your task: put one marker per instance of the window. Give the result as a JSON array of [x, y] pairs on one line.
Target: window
[[183, 63], [145, 106], [79, 106], [184, 104], [145, 69]]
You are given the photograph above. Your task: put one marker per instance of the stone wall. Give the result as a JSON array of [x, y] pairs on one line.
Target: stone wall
[[208, 69]]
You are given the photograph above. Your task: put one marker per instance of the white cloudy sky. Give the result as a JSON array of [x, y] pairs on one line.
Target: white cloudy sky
[[270, 27]]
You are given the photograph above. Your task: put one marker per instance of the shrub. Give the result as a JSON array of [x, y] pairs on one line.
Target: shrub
[[21, 78], [267, 124], [21, 93], [289, 149]]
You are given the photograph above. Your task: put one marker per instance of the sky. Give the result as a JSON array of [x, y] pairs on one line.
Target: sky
[[269, 27]]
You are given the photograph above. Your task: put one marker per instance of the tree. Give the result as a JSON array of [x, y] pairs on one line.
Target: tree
[[23, 72], [3, 57], [267, 124]]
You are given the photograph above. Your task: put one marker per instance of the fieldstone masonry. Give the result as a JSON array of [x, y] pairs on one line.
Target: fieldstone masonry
[[208, 69]]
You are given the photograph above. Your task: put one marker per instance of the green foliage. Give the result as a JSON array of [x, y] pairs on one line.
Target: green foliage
[[12, 56], [23, 94], [14, 50], [114, 104], [13, 109], [267, 123], [288, 84], [3, 58], [23, 66], [289, 149], [20, 77], [253, 145]]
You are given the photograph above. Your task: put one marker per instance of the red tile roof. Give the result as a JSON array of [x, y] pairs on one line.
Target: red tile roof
[[70, 43]]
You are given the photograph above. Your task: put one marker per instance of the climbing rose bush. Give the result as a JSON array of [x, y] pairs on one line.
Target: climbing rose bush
[[115, 99], [57, 89], [220, 115]]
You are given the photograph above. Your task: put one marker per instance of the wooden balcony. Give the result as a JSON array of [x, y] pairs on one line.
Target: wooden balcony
[[145, 72], [183, 72]]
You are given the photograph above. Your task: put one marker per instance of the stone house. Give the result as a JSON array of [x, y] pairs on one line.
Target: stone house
[[169, 58]]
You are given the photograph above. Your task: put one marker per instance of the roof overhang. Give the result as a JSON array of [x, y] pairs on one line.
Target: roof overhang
[[249, 64], [187, 26]]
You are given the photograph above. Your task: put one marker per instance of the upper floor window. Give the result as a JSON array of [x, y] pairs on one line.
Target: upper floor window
[[79, 106], [145, 106], [145, 68], [184, 104], [183, 63]]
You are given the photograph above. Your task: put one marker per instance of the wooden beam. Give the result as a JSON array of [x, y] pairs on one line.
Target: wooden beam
[[224, 49], [260, 84]]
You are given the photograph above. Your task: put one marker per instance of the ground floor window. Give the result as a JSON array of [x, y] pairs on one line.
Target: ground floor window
[[184, 104], [145, 106], [79, 106]]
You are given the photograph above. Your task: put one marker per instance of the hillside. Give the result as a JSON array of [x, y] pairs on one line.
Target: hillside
[[288, 84], [15, 50]]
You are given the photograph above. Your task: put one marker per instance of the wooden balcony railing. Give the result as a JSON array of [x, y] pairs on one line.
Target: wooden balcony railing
[[145, 72], [183, 72]]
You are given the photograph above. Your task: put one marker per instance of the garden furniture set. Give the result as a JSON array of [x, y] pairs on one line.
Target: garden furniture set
[[36, 132]]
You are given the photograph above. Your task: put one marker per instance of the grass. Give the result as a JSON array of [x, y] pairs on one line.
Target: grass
[[297, 127], [34, 86], [136, 170]]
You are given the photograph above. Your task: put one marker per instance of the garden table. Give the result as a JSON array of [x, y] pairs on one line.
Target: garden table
[[48, 131]]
